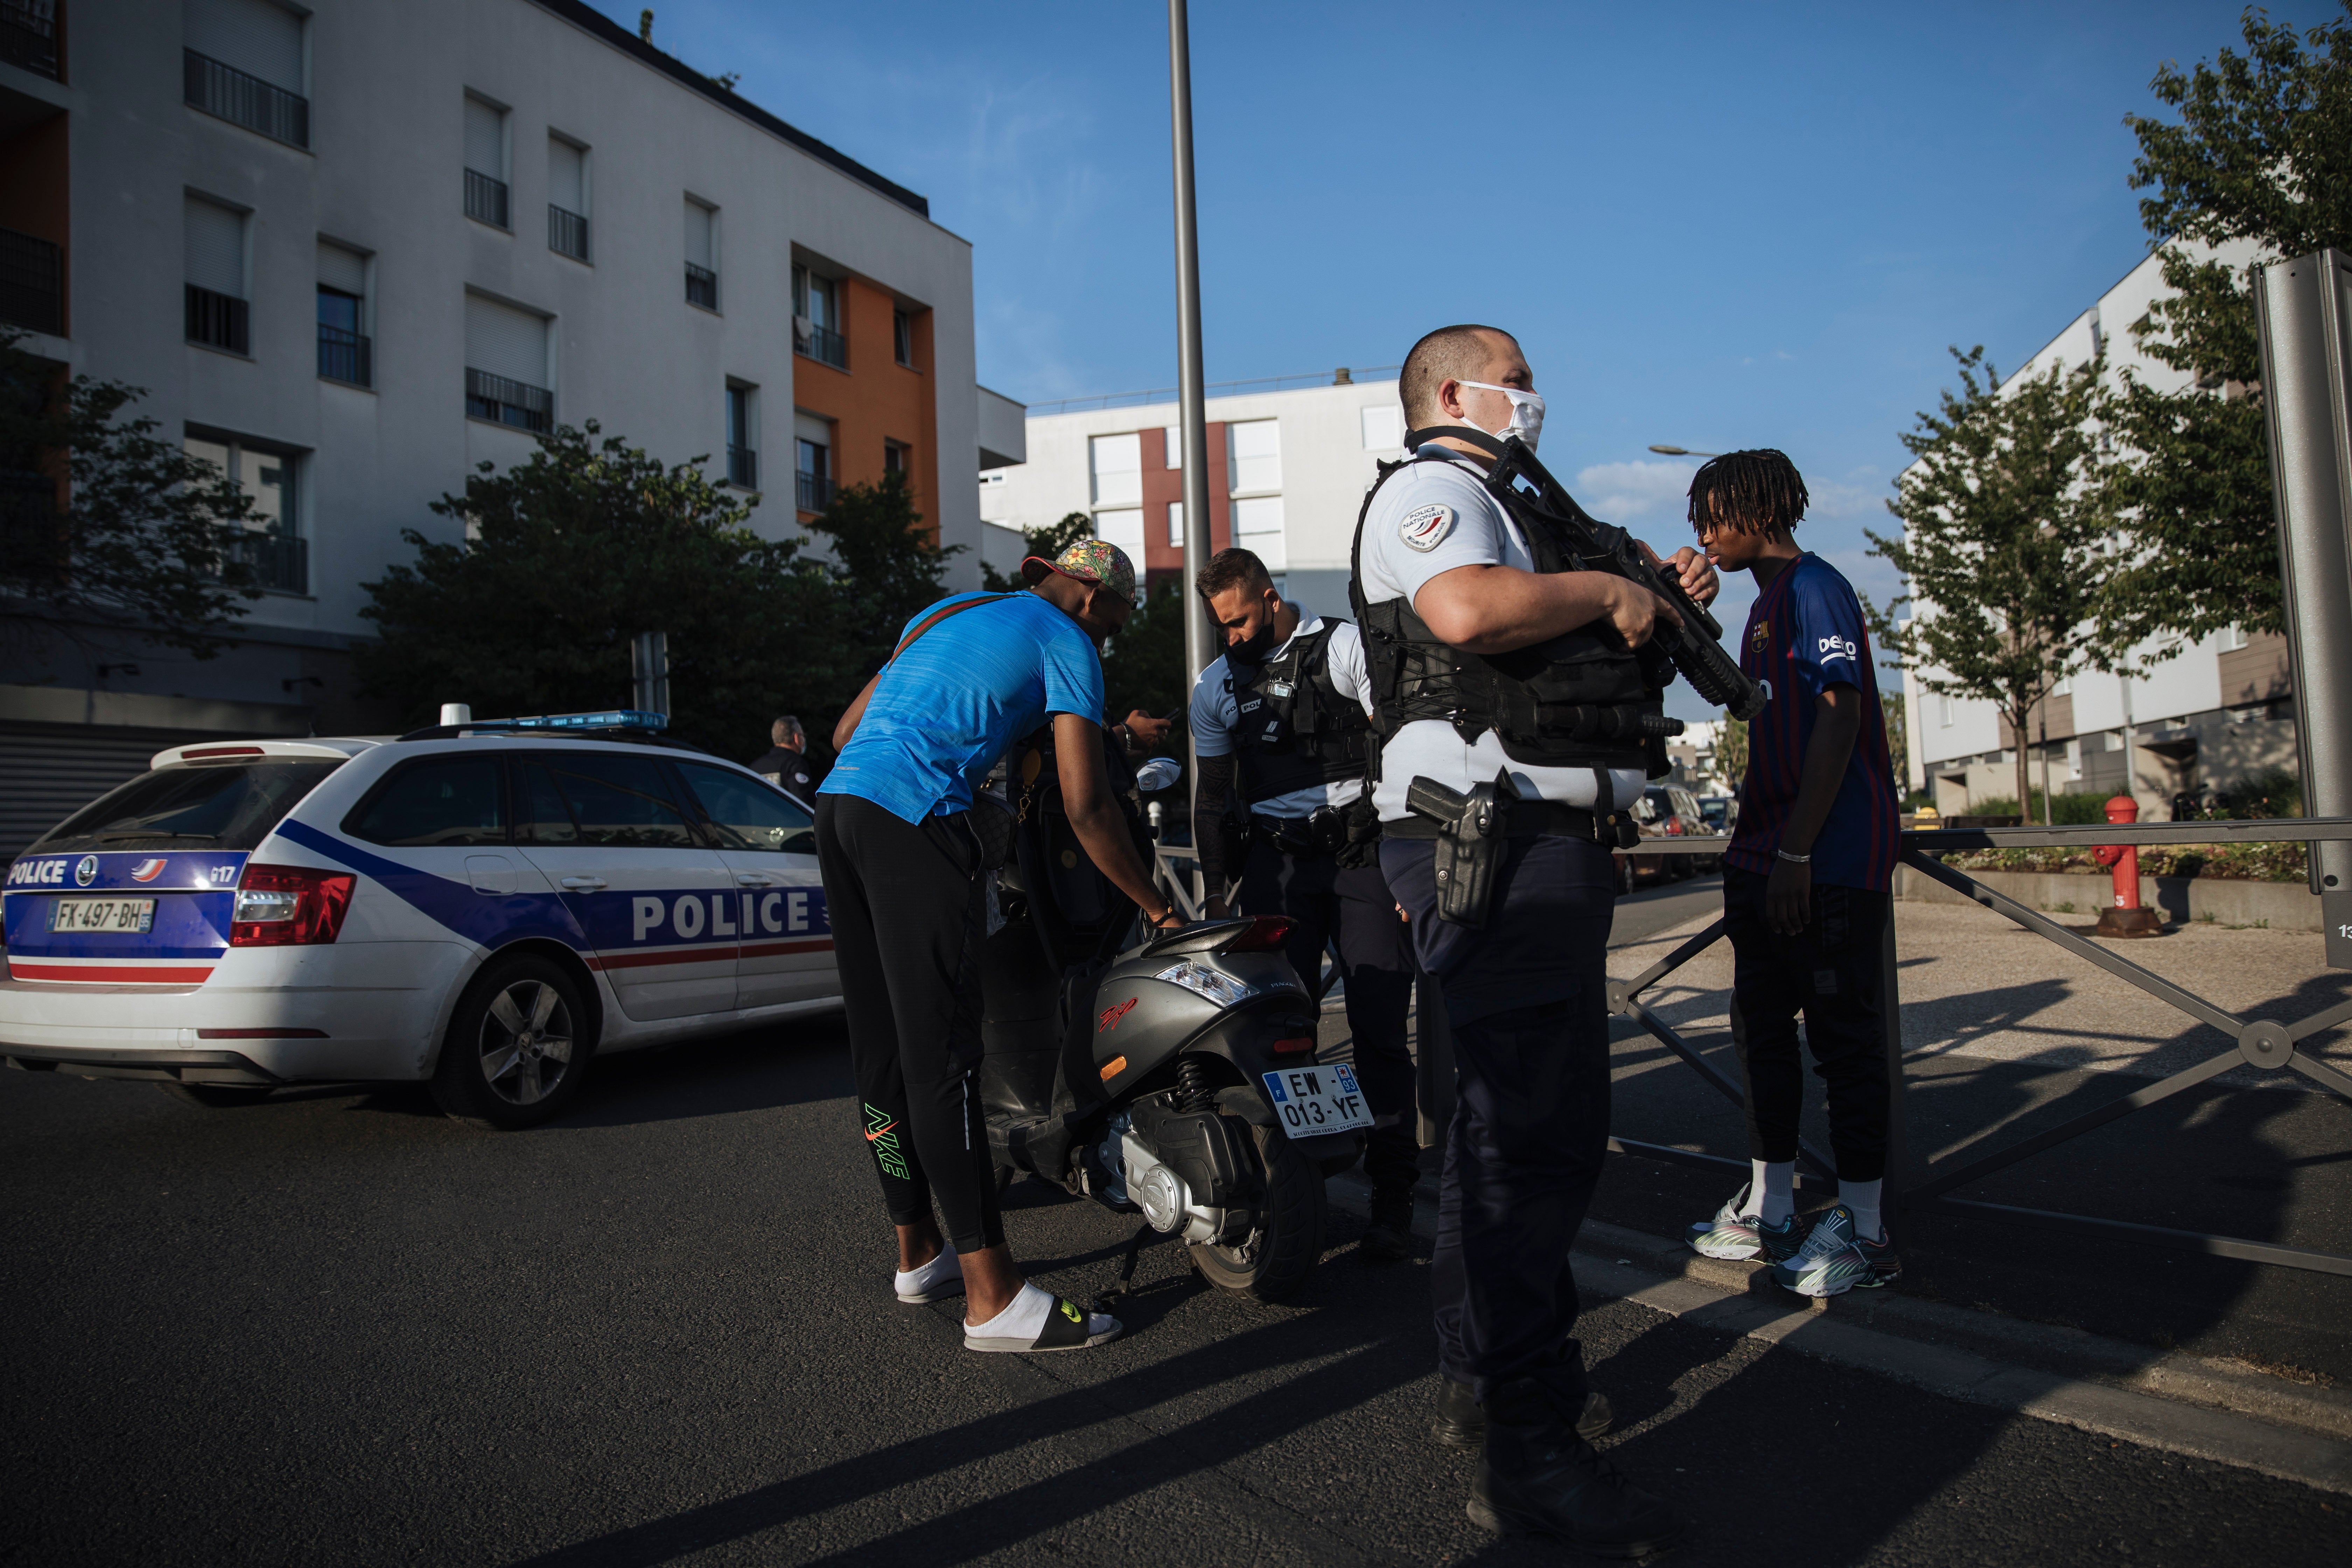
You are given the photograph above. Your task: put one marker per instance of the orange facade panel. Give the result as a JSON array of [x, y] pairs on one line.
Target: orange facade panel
[[878, 404]]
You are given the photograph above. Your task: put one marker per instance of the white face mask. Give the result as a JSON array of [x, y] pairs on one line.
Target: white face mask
[[1526, 413]]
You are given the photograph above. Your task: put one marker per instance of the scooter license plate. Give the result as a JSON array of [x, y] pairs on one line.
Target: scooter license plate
[[1313, 1101]]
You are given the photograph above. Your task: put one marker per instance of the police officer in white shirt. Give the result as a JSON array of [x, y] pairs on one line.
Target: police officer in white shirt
[[1494, 661], [1284, 737]]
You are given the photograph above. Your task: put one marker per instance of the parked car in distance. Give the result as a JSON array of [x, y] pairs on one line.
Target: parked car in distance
[[1670, 810], [1716, 811]]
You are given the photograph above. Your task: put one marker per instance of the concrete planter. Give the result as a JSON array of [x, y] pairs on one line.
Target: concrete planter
[[2283, 906]]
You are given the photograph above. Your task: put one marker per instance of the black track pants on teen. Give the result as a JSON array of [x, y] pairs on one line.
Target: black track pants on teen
[[1830, 972], [908, 904]]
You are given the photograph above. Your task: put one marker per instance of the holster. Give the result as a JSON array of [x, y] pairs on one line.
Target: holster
[[1473, 834]]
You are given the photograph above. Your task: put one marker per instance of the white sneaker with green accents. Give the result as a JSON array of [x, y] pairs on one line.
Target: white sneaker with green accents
[[1834, 1259]]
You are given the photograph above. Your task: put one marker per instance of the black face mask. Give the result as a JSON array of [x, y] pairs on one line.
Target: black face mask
[[1254, 649]]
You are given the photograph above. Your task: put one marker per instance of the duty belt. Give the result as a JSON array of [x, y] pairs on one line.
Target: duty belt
[[1532, 819]]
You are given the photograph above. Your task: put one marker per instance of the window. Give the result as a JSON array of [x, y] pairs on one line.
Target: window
[[2115, 740], [742, 437], [273, 549], [894, 458], [1383, 427], [344, 342], [506, 366], [812, 442], [28, 37], [816, 319], [902, 337], [1254, 449], [441, 802], [1176, 524], [486, 161], [1117, 466], [615, 800], [234, 804], [702, 255], [1944, 710], [216, 311], [567, 198], [2063, 687], [747, 815], [1172, 442], [2230, 640], [243, 63], [1123, 527], [1258, 528]]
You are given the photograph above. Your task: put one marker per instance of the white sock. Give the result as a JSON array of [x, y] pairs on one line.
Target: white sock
[[1862, 1198], [1771, 1190], [925, 1277], [1024, 1318]]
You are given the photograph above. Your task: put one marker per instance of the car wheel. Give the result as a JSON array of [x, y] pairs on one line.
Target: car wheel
[[516, 1047], [215, 1096]]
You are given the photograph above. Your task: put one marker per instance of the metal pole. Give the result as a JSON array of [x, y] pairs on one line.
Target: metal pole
[[1199, 650]]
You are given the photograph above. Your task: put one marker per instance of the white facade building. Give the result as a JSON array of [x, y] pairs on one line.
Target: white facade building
[[356, 249], [1287, 475], [2216, 712]]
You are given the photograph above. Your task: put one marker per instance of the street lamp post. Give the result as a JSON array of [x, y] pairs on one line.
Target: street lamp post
[[1191, 409]]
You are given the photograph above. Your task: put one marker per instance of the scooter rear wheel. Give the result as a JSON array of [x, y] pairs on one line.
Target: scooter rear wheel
[[1277, 1256]]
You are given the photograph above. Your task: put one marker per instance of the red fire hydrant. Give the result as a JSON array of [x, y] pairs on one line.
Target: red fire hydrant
[[2123, 916]]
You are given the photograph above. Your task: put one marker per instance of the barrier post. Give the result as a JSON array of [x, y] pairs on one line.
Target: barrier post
[[1898, 1115]]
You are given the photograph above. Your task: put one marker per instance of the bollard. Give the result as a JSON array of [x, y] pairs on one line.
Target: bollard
[[2123, 916]]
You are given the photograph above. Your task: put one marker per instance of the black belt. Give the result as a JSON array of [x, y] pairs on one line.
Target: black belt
[[1290, 834], [1527, 819]]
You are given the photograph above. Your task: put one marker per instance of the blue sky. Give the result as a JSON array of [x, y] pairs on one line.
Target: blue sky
[[1710, 226]]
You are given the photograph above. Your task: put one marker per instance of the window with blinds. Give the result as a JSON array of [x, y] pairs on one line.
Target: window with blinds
[[506, 365], [1254, 449], [214, 244], [1258, 528], [1383, 427], [243, 64], [1118, 465], [701, 254], [343, 343], [486, 161], [1122, 526], [567, 198]]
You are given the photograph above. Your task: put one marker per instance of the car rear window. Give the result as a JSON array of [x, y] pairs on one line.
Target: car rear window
[[218, 805], [440, 802]]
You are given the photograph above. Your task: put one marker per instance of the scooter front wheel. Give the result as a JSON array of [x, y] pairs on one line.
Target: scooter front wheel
[[1275, 1257]]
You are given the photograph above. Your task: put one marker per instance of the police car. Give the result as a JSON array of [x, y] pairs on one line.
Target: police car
[[481, 906]]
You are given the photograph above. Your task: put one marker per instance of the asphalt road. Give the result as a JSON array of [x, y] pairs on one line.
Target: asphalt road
[[338, 1328]]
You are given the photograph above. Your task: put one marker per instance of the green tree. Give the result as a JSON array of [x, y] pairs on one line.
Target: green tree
[[886, 570], [567, 557], [2003, 544], [149, 542], [1731, 751], [2261, 151], [1049, 541], [1898, 743], [1143, 667]]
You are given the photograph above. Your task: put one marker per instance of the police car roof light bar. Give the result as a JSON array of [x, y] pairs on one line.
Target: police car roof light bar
[[612, 718]]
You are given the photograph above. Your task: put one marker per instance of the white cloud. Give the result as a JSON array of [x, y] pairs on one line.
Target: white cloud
[[1861, 493], [1623, 492]]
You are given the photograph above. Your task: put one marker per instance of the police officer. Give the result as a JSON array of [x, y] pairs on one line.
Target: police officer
[[1487, 651], [786, 762], [1285, 709]]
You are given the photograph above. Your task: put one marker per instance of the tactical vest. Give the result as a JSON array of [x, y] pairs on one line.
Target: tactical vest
[[1575, 701], [1293, 727]]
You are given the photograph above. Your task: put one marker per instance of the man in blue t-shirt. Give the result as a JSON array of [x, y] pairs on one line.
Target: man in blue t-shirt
[[906, 892], [1805, 887]]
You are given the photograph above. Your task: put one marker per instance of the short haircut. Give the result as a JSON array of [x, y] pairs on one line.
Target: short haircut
[[1233, 568], [1757, 491], [785, 724], [1449, 353]]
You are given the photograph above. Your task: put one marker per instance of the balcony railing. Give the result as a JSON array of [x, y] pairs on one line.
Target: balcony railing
[[345, 356], [32, 536], [507, 402], [822, 345], [743, 467], [32, 283], [246, 101], [567, 232], [701, 287], [486, 199], [816, 492], [279, 562], [217, 320], [28, 36]]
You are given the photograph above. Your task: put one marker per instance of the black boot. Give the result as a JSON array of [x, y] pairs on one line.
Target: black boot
[[1389, 1237], [1461, 1424], [1537, 1476]]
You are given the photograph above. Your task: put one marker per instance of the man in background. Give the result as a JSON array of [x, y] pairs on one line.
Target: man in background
[[787, 762]]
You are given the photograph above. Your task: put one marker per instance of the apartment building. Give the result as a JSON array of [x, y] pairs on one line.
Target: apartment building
[[2214, 712], [1288, 467], [356, 249]]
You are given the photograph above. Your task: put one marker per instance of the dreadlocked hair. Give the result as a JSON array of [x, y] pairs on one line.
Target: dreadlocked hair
[[1759, 491]]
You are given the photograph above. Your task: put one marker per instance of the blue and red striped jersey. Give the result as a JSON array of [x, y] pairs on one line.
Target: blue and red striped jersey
[[1805, 635]]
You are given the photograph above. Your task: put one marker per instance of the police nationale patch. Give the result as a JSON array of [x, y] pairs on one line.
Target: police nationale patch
[[1424, 528]]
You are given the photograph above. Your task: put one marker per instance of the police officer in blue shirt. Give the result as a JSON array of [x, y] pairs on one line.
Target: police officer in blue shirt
[[1483, 643]]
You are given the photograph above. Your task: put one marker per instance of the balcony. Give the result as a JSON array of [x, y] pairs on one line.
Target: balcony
[[701, 287], [32, 543], [32, 284], [822, 345], [248, 101], [486, 199], [28, 36], [279, 562], [504, 402], [345, 356], [567, 232], [816, 492], [743, 467], [217, 320]]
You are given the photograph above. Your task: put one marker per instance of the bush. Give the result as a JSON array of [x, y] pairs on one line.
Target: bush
[[2067, 809]]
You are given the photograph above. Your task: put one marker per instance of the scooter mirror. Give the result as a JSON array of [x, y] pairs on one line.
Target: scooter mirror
[[1157, 774]]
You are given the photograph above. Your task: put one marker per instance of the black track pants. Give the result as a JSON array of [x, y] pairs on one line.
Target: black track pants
[[1376, 965], [908, 909], [1832, 973]]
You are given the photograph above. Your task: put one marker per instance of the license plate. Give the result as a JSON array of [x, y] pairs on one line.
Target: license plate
[[1318, 1099], [103, 915]]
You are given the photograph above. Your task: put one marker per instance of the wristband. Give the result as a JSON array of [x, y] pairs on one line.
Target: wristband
[[1794, 859]]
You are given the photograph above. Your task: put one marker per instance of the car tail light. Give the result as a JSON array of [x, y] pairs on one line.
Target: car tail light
[[1300, 1043], [288, 906], [1674, 825], [1265, 934]]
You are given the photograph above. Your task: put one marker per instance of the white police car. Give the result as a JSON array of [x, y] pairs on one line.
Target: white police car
[[482, 907]]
